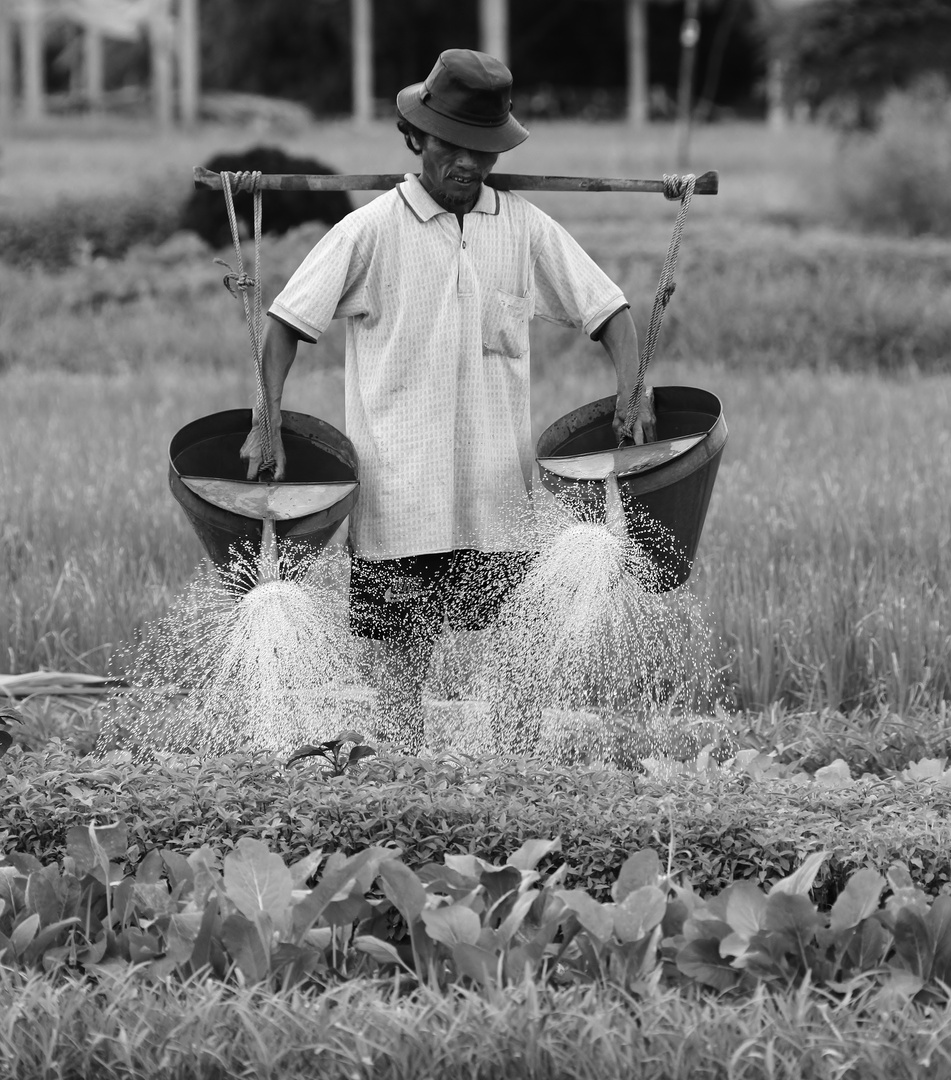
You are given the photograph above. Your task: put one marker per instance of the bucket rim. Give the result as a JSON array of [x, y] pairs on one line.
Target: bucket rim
[[593, 414], [295, 423], [280, 500]]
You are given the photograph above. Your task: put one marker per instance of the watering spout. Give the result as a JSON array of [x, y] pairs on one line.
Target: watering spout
[[269, 560], [613, 508]]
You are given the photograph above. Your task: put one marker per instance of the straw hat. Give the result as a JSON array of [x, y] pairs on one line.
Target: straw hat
[[467, 101]]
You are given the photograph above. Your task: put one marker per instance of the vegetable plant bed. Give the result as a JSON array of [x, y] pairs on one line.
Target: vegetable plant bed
[[742, 820]]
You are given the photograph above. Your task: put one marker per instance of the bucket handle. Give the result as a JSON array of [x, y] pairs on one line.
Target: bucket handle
[[675, 187]]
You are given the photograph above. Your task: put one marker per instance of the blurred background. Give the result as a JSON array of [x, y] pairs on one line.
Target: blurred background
[[813, 292], [596, 59]]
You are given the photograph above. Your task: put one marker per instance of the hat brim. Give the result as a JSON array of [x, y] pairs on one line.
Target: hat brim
[[492, 140]]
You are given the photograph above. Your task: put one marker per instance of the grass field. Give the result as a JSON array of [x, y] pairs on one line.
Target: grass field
[[824, 562]]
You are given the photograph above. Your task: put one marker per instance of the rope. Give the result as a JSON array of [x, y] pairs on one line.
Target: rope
[[239, 283], [675, 187]]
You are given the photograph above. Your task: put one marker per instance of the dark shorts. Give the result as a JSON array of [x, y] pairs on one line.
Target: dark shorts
[[416, 595]]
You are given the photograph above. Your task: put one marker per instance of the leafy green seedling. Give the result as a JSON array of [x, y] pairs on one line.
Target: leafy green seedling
[[332, 751]]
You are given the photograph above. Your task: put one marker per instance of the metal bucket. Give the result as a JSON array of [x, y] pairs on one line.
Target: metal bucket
[[670, 481], [207, 478]]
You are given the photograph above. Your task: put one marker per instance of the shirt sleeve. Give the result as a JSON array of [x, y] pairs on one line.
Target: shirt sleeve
[[570, 288], [329, 284]]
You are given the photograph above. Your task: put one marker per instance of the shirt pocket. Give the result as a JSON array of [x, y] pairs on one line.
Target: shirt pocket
[[505, 319]]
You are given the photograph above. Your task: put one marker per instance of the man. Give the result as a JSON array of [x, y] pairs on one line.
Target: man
[[438, 280]]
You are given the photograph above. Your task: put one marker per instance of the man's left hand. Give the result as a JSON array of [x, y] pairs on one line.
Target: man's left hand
[[644, 427]]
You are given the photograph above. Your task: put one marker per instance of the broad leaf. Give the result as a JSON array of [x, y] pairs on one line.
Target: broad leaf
[[594, 917], [914, 944], [24, 933], [530, 854], [152, 900], [143, 945], [900, 988], [242, 939], [208, 931], [899, 878], [181, 934], [180, 875], [304, 869], [479, 965], [324, 750], [92, 847], [358, 753], [48, 938], [518, 962], [938, 921], [381, 951], [512, 922], [24, 862], [499, 882], [800, 881], [905, 894], [347, 736], [640, 869], [452, 925], [11, 886], [204, 865], [347, 911], [294, 963], [636, 959], [926, 769], [445, 881], [836, 775], [331, 887], [403, 888], [639, 913], [256, 880], [745, 909], [869, 945], [700, 959], [467, 865], [794, 916], [857, 901], [44, 898], [149, 870]]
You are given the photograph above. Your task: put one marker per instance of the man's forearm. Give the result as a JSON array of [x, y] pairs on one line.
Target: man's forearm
[[619, 338], [280, 349]]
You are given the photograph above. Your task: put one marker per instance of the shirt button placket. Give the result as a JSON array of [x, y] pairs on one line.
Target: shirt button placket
[[464, 279]]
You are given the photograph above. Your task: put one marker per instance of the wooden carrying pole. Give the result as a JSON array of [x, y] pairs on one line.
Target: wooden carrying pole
[[707, 184]]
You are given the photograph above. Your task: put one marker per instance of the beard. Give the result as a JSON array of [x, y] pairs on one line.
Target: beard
[[462, 199]]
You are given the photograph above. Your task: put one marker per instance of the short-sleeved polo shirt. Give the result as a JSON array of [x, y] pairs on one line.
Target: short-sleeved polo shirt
[[437, 357]]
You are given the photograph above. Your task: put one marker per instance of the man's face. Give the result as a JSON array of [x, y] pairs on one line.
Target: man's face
[[452, 174]]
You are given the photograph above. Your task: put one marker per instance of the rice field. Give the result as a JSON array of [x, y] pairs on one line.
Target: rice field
[[824, 566]]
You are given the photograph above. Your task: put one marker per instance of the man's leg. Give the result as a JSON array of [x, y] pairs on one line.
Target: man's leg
[[483, 582], [403, 664], [516, 718], [394, 603]]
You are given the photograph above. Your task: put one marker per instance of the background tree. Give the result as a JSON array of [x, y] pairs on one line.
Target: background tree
[[569, 56], [847, 55]]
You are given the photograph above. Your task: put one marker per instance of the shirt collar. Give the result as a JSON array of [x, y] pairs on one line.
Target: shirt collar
[[425, 207]]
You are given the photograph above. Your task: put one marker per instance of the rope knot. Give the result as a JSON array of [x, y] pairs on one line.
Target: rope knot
[[235, 282], [243, 181], [668, 293], [675, 186]]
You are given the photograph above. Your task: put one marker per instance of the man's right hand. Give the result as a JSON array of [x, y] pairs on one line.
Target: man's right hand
[[251, 448]]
